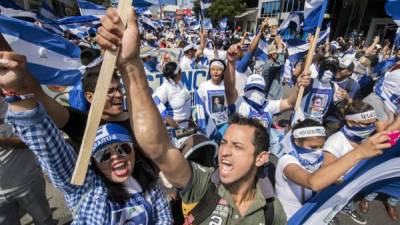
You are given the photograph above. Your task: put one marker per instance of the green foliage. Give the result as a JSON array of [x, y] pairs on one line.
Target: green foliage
[[196, 7]]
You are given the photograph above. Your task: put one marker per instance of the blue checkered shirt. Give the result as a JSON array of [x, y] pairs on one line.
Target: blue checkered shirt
[[89, 203]]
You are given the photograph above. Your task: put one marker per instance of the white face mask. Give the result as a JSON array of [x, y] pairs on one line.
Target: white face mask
[[326, 77], [255, 96]]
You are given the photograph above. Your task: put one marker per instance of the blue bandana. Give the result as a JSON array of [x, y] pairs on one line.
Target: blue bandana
[[358, 134]]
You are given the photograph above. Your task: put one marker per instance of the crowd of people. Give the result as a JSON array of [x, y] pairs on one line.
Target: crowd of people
[[268, 164]]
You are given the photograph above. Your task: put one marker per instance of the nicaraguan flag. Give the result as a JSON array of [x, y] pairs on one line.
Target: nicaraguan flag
[[378, 174], [52, 59], [261, 52], [50, 25], [223, 24], [80, 26], [205, 4], [205, 123], [382, 67], [10, 9], [207, 24], [314, 11], [298, 48], [47, 12], [290, 25], [392, 8], [148, 23], [88, 8]]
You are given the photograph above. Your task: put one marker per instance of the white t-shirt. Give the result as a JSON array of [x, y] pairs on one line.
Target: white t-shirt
[[175, 99], [338, 145], [241, 79], [271, 108], [210, 54], [288, 192], [214, 99], [186, 63]]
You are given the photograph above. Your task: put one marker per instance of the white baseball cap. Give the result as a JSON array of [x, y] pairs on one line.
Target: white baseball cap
[[255, 81]]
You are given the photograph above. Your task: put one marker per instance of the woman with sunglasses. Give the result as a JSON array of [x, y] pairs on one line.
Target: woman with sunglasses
[[121, 184]]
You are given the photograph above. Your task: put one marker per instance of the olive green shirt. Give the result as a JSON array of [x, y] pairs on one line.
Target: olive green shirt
[[226, 212]]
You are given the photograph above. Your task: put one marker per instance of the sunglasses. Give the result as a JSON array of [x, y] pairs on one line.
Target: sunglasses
[[104, 154]]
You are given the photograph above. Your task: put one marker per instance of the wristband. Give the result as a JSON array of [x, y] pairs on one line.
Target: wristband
[[17, 98]]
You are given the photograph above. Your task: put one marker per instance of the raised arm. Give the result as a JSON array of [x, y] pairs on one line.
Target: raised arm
[[330, 173], [146, 121], [36, 129], [229, 76], [202, 46]]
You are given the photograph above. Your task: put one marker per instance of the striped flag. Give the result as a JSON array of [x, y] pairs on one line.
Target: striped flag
[[80, 26], [379, 174], [392, 8], [47, 11], [314, 11], [88, 8], [52, 59], [203, 120]]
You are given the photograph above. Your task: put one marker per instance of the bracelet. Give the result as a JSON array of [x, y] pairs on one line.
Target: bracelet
[[17, 98]]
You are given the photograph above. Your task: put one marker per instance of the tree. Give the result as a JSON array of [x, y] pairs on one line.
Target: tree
[[196, 7]]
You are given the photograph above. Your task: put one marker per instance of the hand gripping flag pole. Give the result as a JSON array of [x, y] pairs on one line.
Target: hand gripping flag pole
[[100, 95], [310, 54]]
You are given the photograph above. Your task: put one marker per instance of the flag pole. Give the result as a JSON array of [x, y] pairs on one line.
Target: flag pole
[[96, 109], [313, 45], [310, 55]]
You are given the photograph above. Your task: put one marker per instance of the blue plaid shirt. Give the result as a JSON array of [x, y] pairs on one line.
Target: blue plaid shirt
[[90, 202]]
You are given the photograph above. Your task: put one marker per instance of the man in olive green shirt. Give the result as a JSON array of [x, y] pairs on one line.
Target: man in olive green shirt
[[243, 150]]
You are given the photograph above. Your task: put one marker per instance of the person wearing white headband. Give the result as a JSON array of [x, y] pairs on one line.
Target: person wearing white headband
[[300, 174], [212, 93], [360, 124]]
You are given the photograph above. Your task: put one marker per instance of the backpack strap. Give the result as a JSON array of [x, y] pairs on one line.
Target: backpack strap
[[204, 207], [269, 211]]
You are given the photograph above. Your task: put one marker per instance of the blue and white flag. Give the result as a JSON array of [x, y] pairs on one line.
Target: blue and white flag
[[52, 59], [261, 52], [47, 12], [298, 48], [80, 26], [314, 11], [392, 8], [88, 8], [207, 24], [378, 174], [203, 120], [148, 23], [205, 4], [382, 67], [10, 9], [50, 25], [290, 25], [223, 24]]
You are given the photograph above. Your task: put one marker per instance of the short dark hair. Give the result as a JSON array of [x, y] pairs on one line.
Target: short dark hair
[[356, 106], [169, 70], [89, 80], [261, 135]]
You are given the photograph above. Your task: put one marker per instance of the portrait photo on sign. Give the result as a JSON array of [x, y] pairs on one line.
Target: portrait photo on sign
[[318, 103], [218, 103]]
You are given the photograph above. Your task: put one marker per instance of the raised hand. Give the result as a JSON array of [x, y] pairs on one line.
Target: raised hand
[[374, 145], [112, 33], [304, 80], [233, 53], [12, 72]]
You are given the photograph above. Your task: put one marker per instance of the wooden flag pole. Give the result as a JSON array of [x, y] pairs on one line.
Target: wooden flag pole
[[309, 59], [96, 109]]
